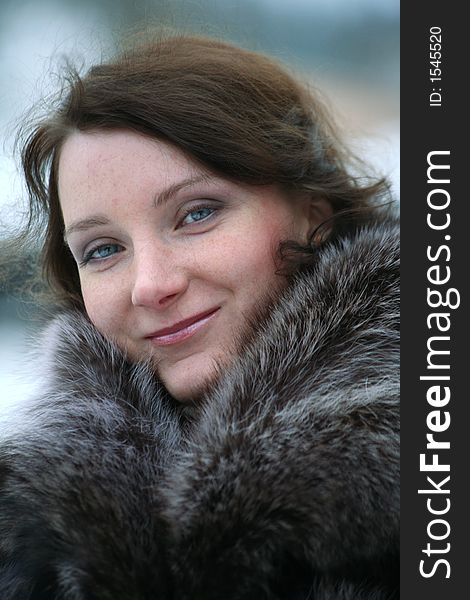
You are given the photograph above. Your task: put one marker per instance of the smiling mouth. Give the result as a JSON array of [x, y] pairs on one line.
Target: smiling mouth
[[182, 331]]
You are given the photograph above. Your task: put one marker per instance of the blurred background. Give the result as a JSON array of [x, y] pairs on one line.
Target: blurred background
[[349, 49]]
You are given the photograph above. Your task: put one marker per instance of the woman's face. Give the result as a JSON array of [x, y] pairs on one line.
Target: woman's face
[[172, 259]]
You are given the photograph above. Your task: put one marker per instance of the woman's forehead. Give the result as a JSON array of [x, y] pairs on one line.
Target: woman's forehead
[[108, 159]]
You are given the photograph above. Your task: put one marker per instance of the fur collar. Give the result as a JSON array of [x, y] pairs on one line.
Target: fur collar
[[282, 484]]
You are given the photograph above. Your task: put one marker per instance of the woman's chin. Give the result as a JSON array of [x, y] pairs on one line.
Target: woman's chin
[[189, 380]]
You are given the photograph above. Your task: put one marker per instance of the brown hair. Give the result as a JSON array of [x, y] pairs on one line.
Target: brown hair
[[237, 112]]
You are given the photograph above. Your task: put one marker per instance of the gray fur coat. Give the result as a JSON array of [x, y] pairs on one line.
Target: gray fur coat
[[282, 485]]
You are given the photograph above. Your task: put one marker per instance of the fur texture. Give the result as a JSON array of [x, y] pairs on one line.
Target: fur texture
[[283, 484]]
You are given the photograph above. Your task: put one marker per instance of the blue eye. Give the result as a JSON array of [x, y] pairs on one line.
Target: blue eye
[[197, 214], [102, 252]]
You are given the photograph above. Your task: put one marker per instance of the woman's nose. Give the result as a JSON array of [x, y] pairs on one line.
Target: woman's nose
[[158, 278]]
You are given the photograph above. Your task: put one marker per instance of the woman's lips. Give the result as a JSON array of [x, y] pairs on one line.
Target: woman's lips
[[184, 332]]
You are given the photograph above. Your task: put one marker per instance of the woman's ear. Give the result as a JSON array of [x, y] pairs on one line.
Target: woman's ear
[[316, 212]]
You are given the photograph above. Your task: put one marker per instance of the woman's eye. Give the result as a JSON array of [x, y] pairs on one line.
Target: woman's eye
[[102, 252], [197, 214]]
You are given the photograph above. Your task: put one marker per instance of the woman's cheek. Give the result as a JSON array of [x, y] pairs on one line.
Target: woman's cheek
[[249, 253], [102, 304]]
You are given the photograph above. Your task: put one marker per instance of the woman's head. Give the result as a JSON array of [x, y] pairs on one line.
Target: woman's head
[[172, 259], [179, 109]]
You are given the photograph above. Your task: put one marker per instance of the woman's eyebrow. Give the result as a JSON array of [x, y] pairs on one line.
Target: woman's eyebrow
[[84, 224], [159, 199], [173, 189]]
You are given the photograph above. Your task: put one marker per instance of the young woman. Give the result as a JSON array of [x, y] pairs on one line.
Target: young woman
[[218, 413]]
